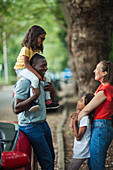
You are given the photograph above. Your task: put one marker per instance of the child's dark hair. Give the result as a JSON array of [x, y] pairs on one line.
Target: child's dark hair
[[88, 98], [30, 39]]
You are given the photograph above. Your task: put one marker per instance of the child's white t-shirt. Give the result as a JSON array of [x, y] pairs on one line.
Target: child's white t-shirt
[[81, 148]]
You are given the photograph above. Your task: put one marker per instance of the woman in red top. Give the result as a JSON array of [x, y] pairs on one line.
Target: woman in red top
[[102, 131]]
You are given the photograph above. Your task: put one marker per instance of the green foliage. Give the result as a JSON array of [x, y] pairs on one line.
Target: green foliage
[[18, 16]]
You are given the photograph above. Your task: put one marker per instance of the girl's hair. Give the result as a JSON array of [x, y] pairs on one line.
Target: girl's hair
[[88, 98], [108, 67], [30, 39]]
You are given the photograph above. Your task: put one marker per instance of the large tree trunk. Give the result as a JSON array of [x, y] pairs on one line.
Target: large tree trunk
[[90, 39]]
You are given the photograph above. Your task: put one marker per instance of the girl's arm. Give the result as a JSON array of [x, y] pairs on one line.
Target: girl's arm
[[71, 119], [28, 66], [94, 103], [71, 124], [78, 133]]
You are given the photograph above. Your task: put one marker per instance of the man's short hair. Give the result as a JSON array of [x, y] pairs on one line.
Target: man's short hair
[[35, 58]]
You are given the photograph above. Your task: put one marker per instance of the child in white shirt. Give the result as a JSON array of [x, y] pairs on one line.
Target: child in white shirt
[[82, 133]]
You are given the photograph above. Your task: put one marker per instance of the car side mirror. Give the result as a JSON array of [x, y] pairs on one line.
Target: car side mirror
[[11, 160]]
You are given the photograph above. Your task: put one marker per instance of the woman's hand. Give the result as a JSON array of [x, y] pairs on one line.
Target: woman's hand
[[75, 116]]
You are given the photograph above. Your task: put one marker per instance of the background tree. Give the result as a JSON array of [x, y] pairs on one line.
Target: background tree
[[88, 26], [88, 38]]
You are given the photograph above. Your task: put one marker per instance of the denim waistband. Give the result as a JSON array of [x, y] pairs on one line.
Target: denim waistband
[[102, 122], [26, 124]]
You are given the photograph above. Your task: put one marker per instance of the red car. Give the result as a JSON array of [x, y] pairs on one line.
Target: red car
[[15, 149]]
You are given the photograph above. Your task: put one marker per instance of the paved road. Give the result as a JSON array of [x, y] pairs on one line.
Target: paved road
[[5, 96], [6, 112]]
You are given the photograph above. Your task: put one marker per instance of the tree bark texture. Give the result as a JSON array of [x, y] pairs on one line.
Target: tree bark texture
[[89, 39]]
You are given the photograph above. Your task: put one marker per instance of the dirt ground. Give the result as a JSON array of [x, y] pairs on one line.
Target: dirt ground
[[53, 119], [68, 142]]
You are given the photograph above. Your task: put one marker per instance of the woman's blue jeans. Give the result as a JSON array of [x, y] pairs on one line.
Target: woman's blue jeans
[[102, 135], [40, 138]]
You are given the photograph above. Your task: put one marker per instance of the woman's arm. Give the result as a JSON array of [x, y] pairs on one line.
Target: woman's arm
[[28, 66], [95, 102]]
